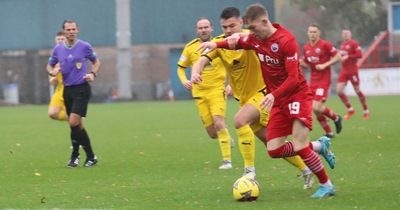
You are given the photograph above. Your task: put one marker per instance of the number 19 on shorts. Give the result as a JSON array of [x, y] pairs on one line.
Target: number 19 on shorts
[[294, 108]]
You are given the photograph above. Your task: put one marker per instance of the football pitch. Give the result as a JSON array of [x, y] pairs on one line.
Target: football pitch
[[156, 155]]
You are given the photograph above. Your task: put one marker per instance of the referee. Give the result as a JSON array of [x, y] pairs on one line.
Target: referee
[[73, 56]]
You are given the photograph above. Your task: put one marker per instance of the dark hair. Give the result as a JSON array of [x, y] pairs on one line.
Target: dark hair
[[230, 12], [204, 18], [68, 21], [255, 11]]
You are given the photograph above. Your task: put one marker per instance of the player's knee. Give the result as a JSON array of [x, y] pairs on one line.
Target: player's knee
[[239, 123], [53, 115], [219, 125]]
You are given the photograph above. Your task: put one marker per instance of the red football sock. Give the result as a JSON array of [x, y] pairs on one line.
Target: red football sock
[[313, 162]]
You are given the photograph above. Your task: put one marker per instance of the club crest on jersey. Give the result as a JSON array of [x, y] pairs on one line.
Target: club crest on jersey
[[78, 65], [317, 50], [274, 47], [347, 47]]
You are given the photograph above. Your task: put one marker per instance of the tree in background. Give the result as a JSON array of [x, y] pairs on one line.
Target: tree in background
[[364, 18]]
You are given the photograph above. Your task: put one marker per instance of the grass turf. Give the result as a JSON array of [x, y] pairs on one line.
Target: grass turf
[[156, 155]]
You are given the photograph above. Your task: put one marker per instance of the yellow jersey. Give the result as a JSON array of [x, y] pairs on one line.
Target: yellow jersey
[[213, 75], [243, 68], [60, 85]]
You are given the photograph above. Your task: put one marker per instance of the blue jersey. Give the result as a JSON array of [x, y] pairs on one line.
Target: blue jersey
[[73, 61]]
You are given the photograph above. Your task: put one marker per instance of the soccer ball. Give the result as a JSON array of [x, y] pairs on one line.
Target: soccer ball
[[246, 189]]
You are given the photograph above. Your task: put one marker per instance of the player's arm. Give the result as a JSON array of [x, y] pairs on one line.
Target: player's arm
[[183, 62], [51, 65], [335, 57], [198, 68], [181, 72], [232, 44], [91, 55], [303, 61], [357, 53]]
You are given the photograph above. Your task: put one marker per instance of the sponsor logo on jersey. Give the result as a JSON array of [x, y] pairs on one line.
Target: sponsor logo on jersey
[[268, 59], [317, 50]]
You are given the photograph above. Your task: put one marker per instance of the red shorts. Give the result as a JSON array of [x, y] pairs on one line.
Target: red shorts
[[282, 116], [320, 91], [352, 77]]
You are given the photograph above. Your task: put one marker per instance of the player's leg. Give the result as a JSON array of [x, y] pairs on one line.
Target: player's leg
[[75, 141], [322, 146], [355, 81], [248, 114], [341, 84], [56, 109], [260, 130], [311, 159], [217, 106], [81, 96], [321, 109]]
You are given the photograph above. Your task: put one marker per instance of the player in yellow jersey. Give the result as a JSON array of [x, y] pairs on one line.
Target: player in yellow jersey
[[248, 88], [209, 96], [57, 109]]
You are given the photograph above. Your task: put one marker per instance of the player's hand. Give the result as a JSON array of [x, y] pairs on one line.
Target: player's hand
[[206, 47], [54, 71], [89, 77], [344, 57], [228, 90], [187, 85], [233, 40], [196, 78], [303, 64], [53, 80], [320, 67], [267, 102]]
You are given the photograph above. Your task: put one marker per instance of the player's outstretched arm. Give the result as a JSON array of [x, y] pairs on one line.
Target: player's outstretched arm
[[198, 68], [206, 47]]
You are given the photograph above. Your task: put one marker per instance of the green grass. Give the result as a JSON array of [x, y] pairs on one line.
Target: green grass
[[156, 155]]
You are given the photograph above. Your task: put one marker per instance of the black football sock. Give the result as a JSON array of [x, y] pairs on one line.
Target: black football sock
[[86, 144], [75, 141]]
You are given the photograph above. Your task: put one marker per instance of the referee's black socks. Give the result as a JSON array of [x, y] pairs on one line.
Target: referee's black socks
[[83, 139]]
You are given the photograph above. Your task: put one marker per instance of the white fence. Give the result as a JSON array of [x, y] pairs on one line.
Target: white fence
[[379, 81]]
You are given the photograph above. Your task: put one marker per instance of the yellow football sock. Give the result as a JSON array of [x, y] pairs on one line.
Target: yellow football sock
[[224, 143], [62, 115], [297, 162], [246, 145]]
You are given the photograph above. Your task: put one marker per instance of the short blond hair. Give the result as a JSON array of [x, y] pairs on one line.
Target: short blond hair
[[254, 11]]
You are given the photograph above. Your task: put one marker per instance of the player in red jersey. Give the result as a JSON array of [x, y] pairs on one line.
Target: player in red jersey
[[350, 52], [289, 98], [319, 55]]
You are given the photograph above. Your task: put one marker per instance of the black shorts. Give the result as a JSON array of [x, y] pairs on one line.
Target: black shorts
[[76, 99]]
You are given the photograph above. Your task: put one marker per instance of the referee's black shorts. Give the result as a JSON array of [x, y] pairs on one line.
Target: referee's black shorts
[[76, 98]]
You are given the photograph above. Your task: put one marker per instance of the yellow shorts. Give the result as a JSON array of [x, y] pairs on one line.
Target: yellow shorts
[[57, 99], [209, 104], [255, 100]]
